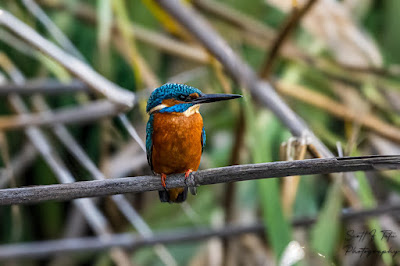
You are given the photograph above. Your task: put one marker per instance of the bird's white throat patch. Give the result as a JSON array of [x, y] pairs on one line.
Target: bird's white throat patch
[[158, 107], [192, 110]]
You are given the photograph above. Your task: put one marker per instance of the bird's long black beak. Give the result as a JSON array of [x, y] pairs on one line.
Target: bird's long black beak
[[209, 98]]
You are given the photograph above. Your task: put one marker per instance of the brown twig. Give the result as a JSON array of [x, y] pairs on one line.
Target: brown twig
[[337, 109], [293, 149], [290, 24], [230, 188], [236, 18]]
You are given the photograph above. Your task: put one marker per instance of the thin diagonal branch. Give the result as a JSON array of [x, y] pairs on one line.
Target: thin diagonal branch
[[232, 16], [55, 32], [289, 25], [12, 41], [18, 164], [29, 195], [131, 241], [132, 131], [84, 72]]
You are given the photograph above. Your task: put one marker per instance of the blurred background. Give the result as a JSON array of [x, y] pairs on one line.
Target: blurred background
[[334, 62]]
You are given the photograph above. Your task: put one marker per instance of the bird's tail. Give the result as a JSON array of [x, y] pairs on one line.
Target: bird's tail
[[176, 195]]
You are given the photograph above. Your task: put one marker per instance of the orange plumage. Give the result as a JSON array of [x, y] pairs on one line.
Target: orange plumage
[[177, 144]]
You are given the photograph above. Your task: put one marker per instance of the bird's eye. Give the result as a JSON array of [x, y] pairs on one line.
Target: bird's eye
[[182, 97]]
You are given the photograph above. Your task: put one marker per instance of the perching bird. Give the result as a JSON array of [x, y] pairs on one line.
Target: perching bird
[[175, 135]]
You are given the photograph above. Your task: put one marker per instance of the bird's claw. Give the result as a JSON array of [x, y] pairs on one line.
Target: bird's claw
[[193, 190]]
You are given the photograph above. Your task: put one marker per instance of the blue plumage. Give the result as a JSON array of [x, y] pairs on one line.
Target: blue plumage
[[149, 141], [171, 91], [179, 108], [203, 139]]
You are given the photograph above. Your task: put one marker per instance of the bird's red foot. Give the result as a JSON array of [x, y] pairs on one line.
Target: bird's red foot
[[163, 179], [187, 173]]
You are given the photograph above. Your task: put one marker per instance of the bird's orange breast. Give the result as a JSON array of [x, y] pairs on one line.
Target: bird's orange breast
[[177, 144]]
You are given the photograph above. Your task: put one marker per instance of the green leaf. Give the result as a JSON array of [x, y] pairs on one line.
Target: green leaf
[[104, 13], [278, 228], [368, 201], [306, 203], [391, 39], [265, 137], [55, 68], [325, 233]]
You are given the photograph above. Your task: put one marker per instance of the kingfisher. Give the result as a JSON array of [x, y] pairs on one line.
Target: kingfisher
[[175, 135]]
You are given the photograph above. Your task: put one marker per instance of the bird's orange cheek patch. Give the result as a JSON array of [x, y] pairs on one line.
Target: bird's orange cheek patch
[[194, 95], [171, 102]]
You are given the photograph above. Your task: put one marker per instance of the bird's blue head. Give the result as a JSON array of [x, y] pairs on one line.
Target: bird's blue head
[[172, 97]]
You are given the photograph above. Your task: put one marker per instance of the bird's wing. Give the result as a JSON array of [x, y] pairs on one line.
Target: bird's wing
[[149, 140], [203, 139]]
